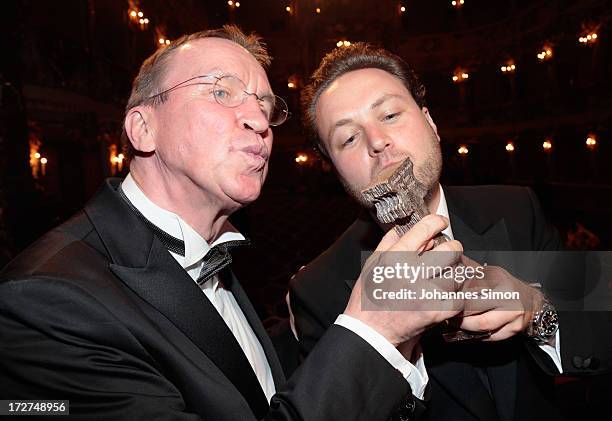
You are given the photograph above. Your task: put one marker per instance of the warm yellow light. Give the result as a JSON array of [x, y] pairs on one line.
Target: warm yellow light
[[510, 67], [301, 158], [318, 10], [288, 9], [510, 147], [589, 38], [237, 4], [339, 44], [230, 2], [545, 54], [547, 145], [460, 75], [402, 9], [167, 42], [37, 155], [140, 14], [141, 21], [133, 13], [461, 1], [347, 43], [146, 20], [43, 161], [161, 40], [463, 150], [121, 157], [454, 3], [291, 85], [591, 141]]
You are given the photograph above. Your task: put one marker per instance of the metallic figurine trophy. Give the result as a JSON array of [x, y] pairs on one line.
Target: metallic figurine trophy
[[399, 199]]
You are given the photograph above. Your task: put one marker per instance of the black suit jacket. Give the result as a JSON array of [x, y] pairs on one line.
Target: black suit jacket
[[98, 312], [507, 380]]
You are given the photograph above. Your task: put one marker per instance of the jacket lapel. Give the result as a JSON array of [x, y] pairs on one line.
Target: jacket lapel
[[230, 281], [142, 262]]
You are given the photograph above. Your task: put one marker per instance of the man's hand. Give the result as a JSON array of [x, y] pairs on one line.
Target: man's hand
[[401, 326], [504, 318]]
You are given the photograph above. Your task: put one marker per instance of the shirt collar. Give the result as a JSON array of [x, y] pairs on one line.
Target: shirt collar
[[196, 246], [443, 210]]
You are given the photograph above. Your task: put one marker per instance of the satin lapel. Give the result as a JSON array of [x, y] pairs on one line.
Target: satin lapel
[[168, 288], [230, 280], [142, 262]]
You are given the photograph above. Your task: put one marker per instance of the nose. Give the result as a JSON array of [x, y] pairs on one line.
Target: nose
[[378, 141], [251, 116]]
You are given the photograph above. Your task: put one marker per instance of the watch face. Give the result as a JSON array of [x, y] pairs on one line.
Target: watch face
[[549, 322]]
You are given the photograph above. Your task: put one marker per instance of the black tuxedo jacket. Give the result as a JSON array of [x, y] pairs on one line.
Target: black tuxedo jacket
[[507, 380], [98, 312]]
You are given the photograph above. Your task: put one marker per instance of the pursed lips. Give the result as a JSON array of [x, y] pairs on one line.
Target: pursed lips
[[385, 167], [257, 152]]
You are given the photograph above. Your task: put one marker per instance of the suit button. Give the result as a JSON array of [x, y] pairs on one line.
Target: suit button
[[405, 410], [577, 361]]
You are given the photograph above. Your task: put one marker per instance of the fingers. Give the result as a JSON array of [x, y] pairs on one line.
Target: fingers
[[444, 255], [418, 237], [452, 245], [504, 324]]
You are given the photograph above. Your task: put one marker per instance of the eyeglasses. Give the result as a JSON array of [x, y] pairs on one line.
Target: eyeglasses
[[231, 92]]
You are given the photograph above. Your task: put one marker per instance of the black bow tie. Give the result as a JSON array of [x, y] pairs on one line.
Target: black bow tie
[[215, 260]]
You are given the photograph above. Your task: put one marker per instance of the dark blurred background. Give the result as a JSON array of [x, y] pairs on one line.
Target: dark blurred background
[[503, 78]]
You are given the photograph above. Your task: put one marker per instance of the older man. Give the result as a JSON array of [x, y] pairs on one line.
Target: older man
[[365, 109], [129, 310]]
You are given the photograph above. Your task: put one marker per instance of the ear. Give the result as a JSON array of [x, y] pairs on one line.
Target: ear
[[139, 129], [425, 111]]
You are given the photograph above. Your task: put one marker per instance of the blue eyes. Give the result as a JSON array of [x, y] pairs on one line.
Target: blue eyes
[[221, 94]]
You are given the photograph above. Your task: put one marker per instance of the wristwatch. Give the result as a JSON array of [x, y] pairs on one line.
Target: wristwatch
[[544, 324]]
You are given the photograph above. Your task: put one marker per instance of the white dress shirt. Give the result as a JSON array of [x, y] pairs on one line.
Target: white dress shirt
[[223, 300]]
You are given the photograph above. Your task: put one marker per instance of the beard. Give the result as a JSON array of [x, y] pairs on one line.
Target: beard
[[427, 172]]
